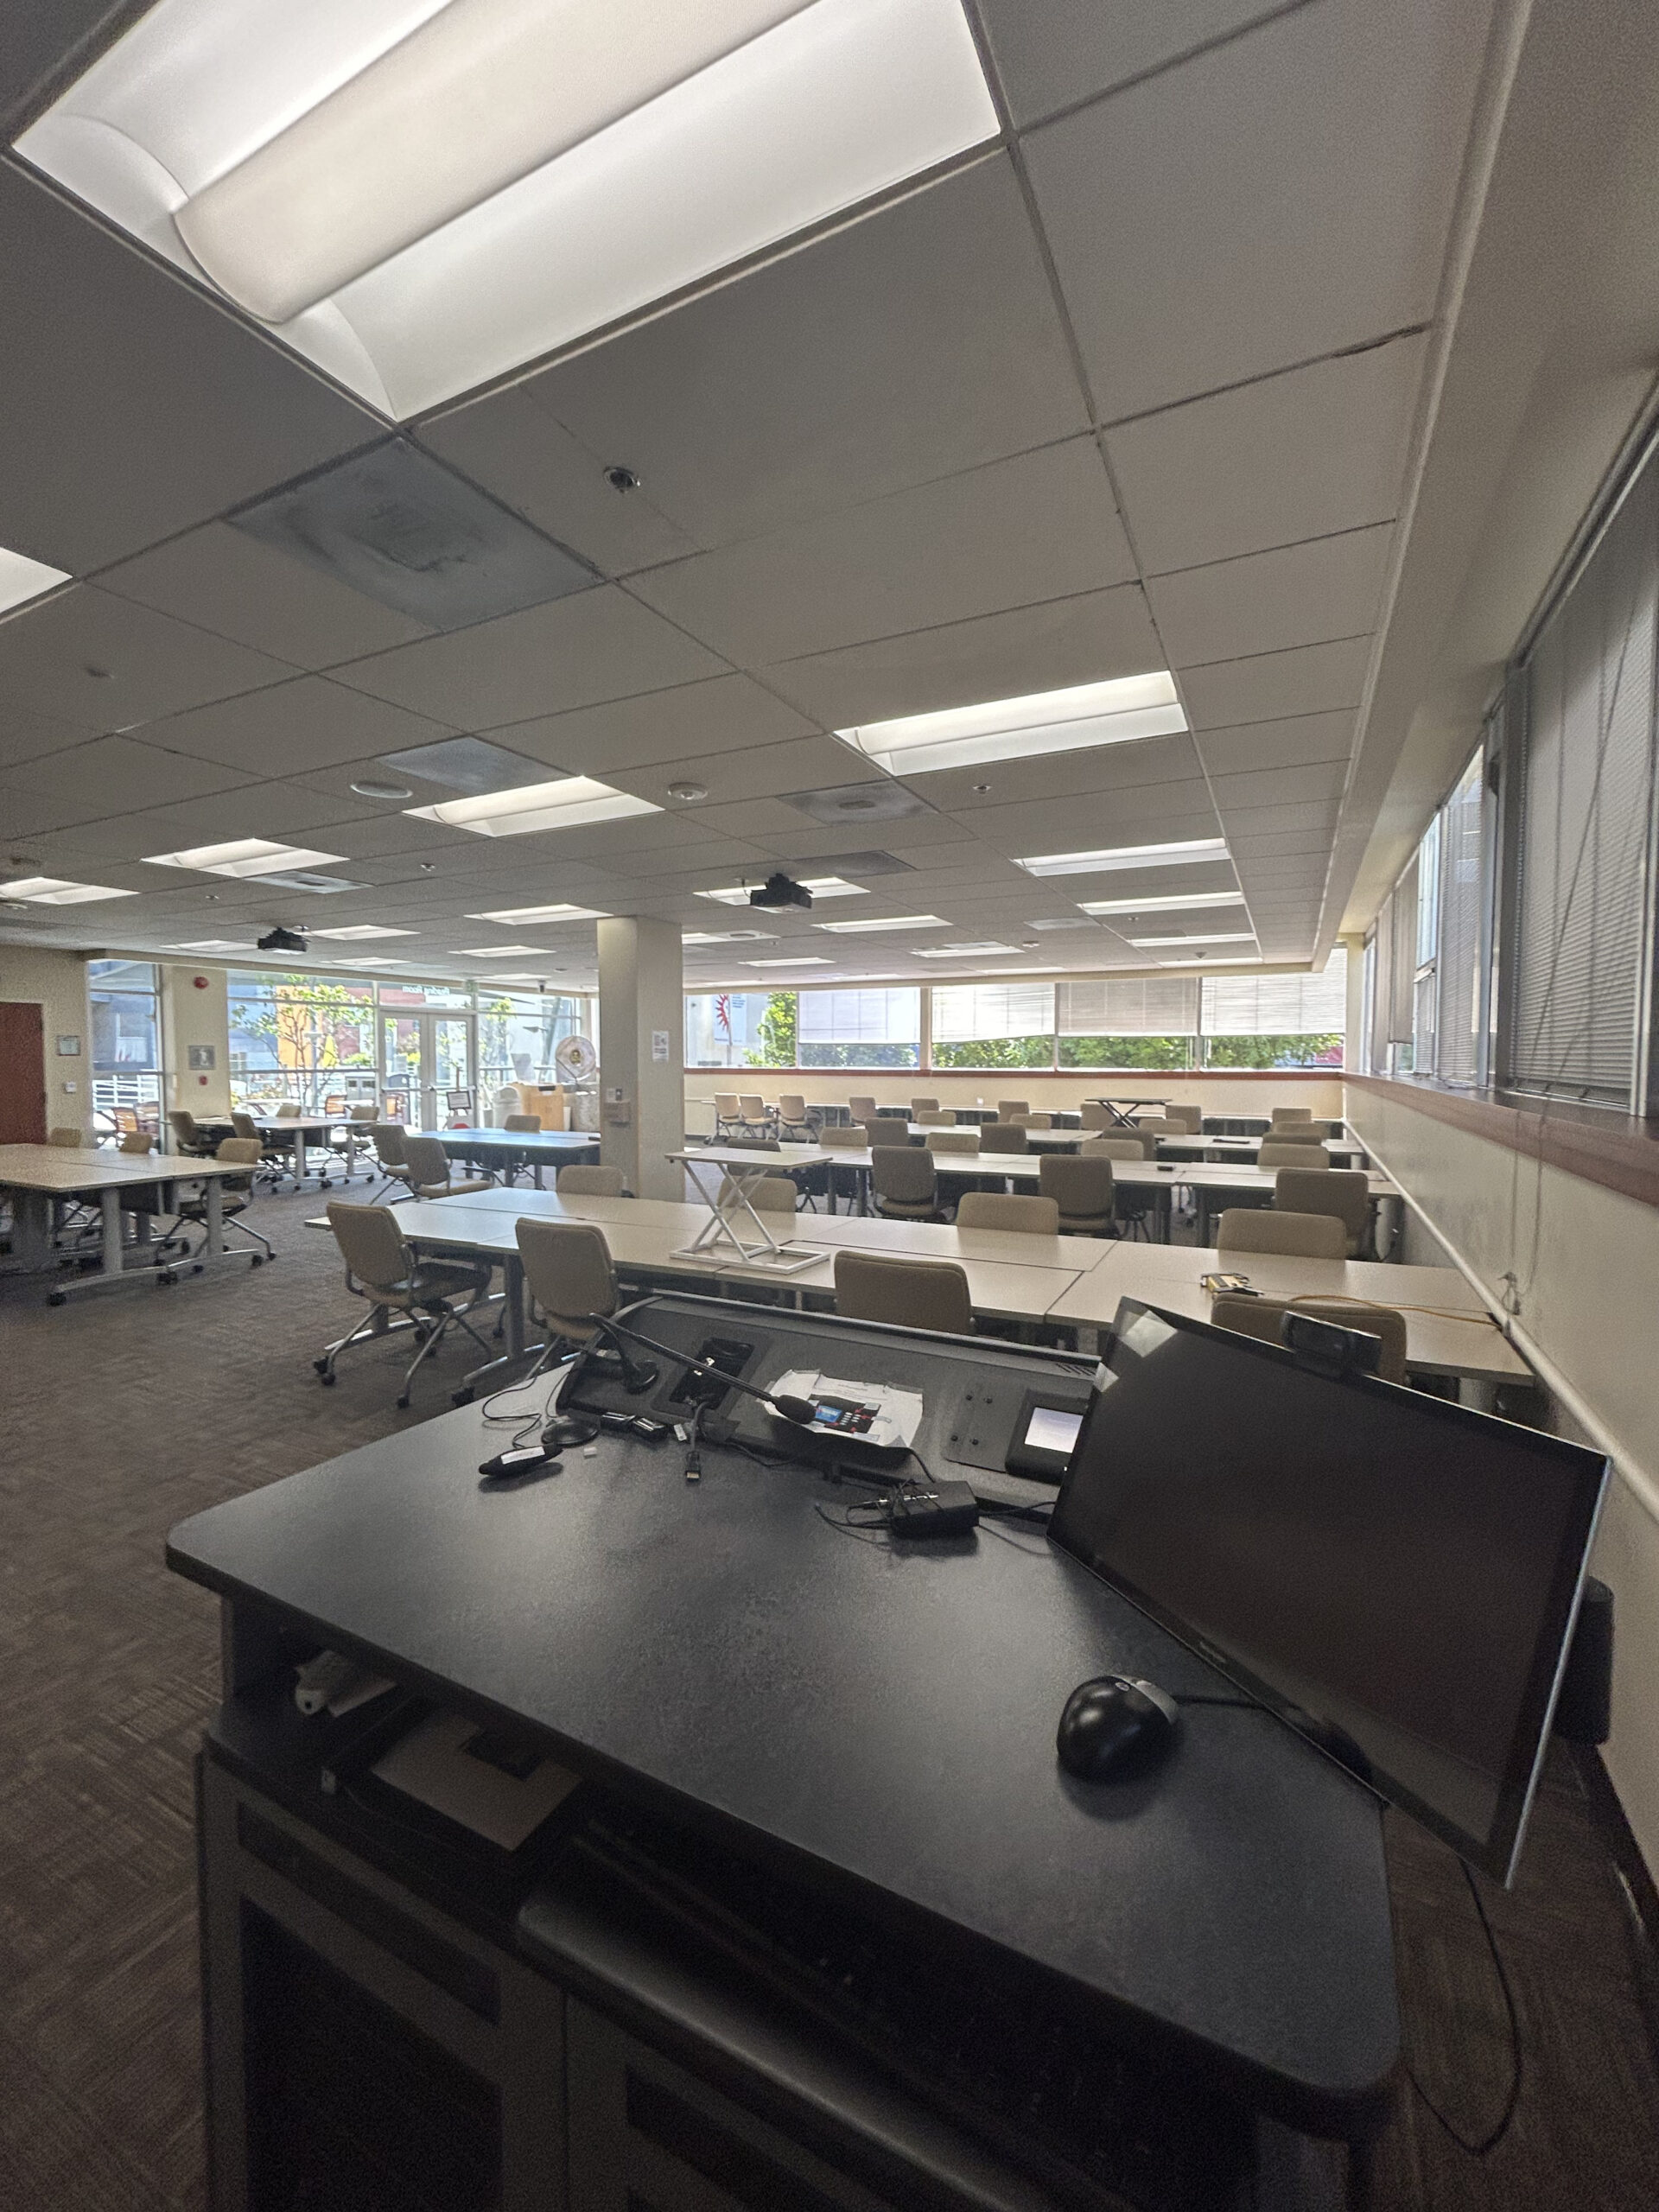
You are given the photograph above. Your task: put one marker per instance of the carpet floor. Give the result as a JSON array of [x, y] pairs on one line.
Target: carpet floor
[[124, 1413]]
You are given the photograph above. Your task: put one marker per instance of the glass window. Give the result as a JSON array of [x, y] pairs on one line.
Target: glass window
[[740, 1029], [444, 995], [994, 1024], [299, 1037], [1463, 883], [518, 1032], [126, 1073], [1276, 1021], [1131, 1022], [860, 1029]]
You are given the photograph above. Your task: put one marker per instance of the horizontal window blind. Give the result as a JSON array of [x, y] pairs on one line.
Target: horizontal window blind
[[1382, 987], [1585, 760], [859, 1017], [962, 1011], [1151, 1005], [1402, 959], [1278, 1006], [1461, 893]]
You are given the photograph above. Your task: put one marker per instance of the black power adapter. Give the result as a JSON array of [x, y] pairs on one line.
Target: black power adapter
[[941, 1509]]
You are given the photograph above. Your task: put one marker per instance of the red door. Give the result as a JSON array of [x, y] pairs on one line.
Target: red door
[[22, 1074]]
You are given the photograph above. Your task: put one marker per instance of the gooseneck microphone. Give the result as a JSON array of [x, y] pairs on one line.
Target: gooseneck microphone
[[800, 1410]]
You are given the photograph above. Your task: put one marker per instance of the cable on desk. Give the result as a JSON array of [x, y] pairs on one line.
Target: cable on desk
[[1489, 2142]]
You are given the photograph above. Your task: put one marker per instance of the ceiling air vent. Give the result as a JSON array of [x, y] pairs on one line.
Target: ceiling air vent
[[872, 802]]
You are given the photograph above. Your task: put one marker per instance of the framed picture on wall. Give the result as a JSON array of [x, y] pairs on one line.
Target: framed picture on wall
[[69, 1048]]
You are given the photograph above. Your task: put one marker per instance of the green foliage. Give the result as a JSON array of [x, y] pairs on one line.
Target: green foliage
[[861, 1056], [1126, 1052], [996, 1052], [776, 1032], [1318, 1051]]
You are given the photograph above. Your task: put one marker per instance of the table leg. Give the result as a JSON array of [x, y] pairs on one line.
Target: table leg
[[114, 1259], [215, 1212], [31, 1231]]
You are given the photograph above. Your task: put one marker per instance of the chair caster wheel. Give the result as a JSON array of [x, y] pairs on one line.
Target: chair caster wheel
[[258, 1261], [56, 1298], [403, 1401], [327, 1380], [461, 1397], [321, 1366]]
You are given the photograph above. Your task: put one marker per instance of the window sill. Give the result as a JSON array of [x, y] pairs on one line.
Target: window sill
[[1615, 1150]]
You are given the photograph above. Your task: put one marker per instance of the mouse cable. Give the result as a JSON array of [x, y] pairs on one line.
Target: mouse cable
[[1489, 2142]]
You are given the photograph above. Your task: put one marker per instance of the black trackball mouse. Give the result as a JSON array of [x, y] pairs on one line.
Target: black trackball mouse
[[1113, 1729]]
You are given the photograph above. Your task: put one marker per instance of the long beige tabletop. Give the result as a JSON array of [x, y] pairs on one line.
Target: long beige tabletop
[[1448, 1331], [63, 1170], [1027, 1166]]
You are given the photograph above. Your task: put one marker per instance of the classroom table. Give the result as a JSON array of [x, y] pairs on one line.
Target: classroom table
[[302, 1131], [512, 1148], [1448, 1330], [35, 1175]]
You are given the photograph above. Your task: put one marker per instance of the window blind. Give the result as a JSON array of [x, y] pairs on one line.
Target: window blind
[[872, 1017], [1278, 1006], [1461, 893], [1382, 987], [1150, 1006], [1587, 774], [1403, 958], [964, 1012]]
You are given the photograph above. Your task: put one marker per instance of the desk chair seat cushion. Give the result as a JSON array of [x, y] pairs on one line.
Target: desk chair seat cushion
[[904, 1182], [1265, 1228], [568, 1268], [909, 1293], [1343, 1191], [1083, 1189], [1260, 1317], [1024, 1213], [588, 1181]]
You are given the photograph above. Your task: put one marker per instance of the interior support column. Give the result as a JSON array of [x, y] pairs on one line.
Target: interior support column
[[641, 1041]]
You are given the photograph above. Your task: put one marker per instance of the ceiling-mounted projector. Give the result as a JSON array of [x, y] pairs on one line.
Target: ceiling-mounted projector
[[281, 940], [780, 890]]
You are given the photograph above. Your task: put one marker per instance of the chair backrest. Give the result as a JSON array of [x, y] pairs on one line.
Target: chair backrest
[[182, 1124], [920, 1106], [1121, 1146], [754, 1105], [751, 1144], [852, 1140], [1191, 1115], [1002, 1136], [1343, 1191], [1307, 1158], [334, 1103], [861, 1108], [1030, 1216], [1155, 1125], [124, 1118], [288, 1110], [940, 1140], [567, 1267], [1292, 1114], [591, 1181], [1008, 1108], [1083, 1188], [727, 1106], [886, 1129], [242, 1150], [1261, 1317], [1306, 1132], [904, 1173], [932, 1117], [1033, 1121], [67, 1139], [1262, 1228], [389, 1142], [1094, 1115], [523, 1125], [370, 1243], [912, 1293], [791, 1106], [427, 1161], [136, 1140], [244, 1124], [362, 1113], [772, 1194]]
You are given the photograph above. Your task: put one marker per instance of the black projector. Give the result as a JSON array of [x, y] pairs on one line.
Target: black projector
[[779, 891], [280, 940]]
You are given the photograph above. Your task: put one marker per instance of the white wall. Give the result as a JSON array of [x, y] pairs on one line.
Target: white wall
[[1586, 1264], [1216, 1093], [56, 982], [196, 1013]]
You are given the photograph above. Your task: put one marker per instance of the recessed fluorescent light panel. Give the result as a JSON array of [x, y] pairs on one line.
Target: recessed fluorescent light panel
[[811, 961], [525, 916], [418, 196], [215, 944], [1084, 715], [891, 922], [367, 960], [363, 930], [58, 891], [1221, 959], [1223, 937], [22, 579], [500, 952], [821, 886], [566, 803], [242, 856], [729, 936], [1111, 857], [965, 952], [1165, 902]]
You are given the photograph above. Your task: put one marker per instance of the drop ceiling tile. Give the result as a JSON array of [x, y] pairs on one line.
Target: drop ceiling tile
[[1291, 743], [1060, 775], [1064, 826], [720, 713], [803, 764], [134, 406], [517, 450], [1039, 526], [153, 665], [1056, 53], [1079, 640], [29, 816], [1316, 450], [669, 870], [595, 646], [753, 818], [114, 775], [225, 581], [917, 342], [26, 735], [309, 722], [1268, 687], [1246, 821], [1297, 595], [1250, 847], [1271, 786], [1279, 198]]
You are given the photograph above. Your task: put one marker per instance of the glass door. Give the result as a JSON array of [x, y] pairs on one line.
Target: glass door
[[426, 1069]]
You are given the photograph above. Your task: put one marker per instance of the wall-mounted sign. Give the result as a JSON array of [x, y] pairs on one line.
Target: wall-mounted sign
[[68, 1048], [202, 1056], [659, 1044]]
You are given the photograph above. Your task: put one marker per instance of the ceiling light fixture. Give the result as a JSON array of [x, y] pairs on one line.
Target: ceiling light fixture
[[500, 951], [521, 917], [1220, 960], [1223, 937], [889, 922], [688, 794], [367, 789], [1113, 713], [418, 196], [821, 886], [965, 952], [1164, 902], [811, 960], [22, 579], [241, 856], [1186, 853], [58, 891], [729, 936], [212, 944], [568, 802], [354, 930], [368, 960]]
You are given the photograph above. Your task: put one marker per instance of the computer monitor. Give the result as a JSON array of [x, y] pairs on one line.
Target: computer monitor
[[1393, 1575]]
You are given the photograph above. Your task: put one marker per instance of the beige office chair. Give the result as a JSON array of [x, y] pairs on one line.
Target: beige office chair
[[1160, 1125], [1261, 1317], [1008, 1108], [362, 1113], [523, 1125], [1083, 1189], [577, 1181], [1121, 1145], [905, 1293], [886, 1129], [67, 1139], [1026, 1215], [1094, 1115], [728, 1115], [381, 1267], [236, 1193], [771, 1194], [1302, 1133], [861, 1109], [1344, 1192], [571, 1274], [188, 1136], [1002, 1136], [1191, 1116], [432, 1173], [932, 1117], [1261, 1228], [389, 1144], [1033, 1121], [137, 1142], [904, 1183], [757, 1115], [795, 1117], [1292, 1114], [753, 1144], [854, 1138], [951, 1140], [1309, 1158], [290, 1110], [918, 1107]]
